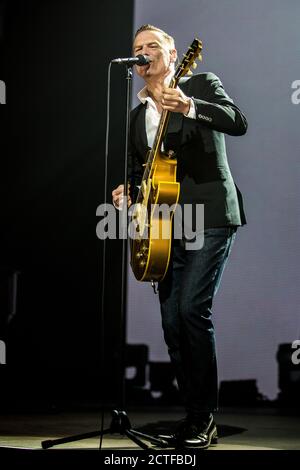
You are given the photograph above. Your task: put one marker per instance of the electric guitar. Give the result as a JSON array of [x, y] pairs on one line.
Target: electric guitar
[[151, 215]]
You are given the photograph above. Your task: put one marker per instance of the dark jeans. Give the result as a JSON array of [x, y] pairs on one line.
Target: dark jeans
[[186, 295]]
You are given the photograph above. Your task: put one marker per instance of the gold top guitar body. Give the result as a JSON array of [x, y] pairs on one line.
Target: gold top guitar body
[[152, 214]]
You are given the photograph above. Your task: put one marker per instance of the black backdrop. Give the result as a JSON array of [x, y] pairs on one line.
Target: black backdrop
[[54, 58]]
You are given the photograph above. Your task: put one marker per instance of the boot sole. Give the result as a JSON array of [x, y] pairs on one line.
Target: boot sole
[[212, 439]]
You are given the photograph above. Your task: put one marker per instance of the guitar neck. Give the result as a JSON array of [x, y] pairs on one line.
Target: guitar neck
[[163, 123]]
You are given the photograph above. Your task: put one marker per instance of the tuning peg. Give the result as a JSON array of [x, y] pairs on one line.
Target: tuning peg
[[189, 72], [194, 65], [200, 56]]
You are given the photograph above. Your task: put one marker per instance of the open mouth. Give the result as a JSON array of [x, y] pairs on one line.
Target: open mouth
[[147, 66]]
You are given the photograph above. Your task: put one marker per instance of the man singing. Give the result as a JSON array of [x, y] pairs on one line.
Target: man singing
[[201, 113]]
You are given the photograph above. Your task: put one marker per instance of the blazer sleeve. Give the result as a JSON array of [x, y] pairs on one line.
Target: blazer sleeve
[[216, 110]]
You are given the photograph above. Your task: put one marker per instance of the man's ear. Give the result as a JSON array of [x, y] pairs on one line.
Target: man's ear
[[173, 55]]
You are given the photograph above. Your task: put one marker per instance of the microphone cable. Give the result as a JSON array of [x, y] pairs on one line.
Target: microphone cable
[[104, 249]]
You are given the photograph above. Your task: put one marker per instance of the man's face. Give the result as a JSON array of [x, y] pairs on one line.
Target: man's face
[[153, 44]]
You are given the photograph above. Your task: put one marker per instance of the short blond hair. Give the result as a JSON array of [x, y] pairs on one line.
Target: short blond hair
[[150, 27]]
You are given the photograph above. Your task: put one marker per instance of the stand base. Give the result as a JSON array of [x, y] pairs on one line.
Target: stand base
[[119, 424]]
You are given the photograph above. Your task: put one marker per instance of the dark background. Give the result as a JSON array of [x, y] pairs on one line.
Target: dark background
[[54, 60]]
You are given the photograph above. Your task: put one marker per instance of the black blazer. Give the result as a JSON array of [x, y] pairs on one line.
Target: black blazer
[[203, 170]]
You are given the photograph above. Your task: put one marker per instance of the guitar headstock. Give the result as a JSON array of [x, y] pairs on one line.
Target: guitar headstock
[[188, 61]]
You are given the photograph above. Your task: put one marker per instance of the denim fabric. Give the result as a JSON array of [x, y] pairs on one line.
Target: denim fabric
[[186, 296]]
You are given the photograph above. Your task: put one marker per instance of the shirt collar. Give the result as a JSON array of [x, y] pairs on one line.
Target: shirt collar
[[143, 95]]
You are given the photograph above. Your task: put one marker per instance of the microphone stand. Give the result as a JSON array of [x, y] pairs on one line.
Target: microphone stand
[[120, 422]]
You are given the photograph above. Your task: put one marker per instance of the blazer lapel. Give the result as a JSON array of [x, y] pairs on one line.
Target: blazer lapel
[[140, 131]]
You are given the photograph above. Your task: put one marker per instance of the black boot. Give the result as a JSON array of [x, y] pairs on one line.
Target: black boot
[[193, 432]]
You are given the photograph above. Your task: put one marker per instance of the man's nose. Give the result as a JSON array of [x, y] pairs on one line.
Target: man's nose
[[145, 50]]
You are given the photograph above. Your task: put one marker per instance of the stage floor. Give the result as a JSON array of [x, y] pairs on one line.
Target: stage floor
[[238, 429]]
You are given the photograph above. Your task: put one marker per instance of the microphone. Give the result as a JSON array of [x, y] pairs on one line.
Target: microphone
[[138, 60]]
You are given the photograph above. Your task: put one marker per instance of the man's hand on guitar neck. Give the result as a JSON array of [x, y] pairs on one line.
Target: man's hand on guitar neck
[[174, 100], [118, 197]]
